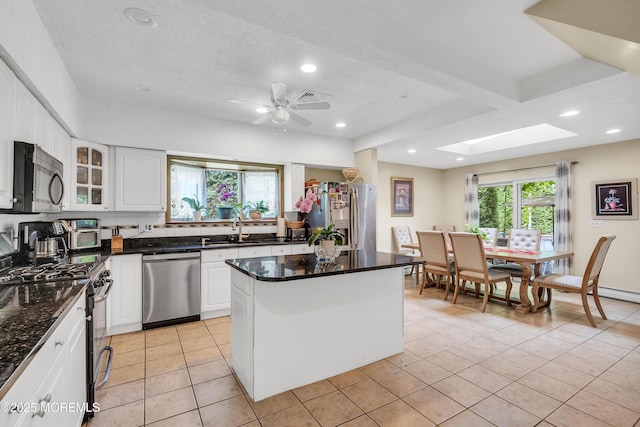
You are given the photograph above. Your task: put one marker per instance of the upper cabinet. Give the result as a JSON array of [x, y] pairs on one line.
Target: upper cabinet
[[140, 179], [7, 117], [25, 110], [89, 176]]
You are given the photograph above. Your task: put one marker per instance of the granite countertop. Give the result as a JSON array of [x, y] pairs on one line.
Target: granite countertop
[[29, 313], [150, 246], [304, 266]]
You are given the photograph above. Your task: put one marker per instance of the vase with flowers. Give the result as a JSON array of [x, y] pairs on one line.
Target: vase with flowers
[[305, 204], [227, 200]]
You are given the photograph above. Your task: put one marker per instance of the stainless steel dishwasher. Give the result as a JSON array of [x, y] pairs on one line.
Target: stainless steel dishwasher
[[170, 289]]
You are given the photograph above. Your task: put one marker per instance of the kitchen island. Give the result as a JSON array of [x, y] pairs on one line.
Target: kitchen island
[[295, 321]]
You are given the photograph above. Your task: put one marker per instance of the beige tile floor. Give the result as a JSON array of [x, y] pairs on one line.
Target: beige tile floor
[[460, 367]]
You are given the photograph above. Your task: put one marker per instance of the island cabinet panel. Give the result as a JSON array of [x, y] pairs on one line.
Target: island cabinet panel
[[56, 376], [215, 282], [124, 304], [289, 333], [140, 180]]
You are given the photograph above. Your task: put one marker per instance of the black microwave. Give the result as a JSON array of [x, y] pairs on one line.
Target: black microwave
[[37, 180]]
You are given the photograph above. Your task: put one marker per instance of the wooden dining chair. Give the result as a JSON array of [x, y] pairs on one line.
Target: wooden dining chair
[[402, 235], [434, 249], [520, 239], [446, 229], [492, 236], [575, 284], [471, 265]]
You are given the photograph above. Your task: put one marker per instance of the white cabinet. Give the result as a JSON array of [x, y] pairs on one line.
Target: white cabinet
[[293, 184], [301, 248], [215, 282], [43, 125], [254, 251], [140, 180], [56, 375], [124, 304], [89, 176], [7, 117], [61, 150], [281, 250], [25, 110]]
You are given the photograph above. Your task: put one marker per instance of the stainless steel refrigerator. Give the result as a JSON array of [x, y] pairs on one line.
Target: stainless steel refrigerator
[[351, 208]]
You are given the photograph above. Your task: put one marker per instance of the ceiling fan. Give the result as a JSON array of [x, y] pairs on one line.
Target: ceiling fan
[[280, 110]]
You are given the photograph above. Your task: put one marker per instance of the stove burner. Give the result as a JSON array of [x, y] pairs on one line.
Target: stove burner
[[45, 273]]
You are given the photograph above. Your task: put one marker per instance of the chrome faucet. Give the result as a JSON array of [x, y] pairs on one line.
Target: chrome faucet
[[239, 227]]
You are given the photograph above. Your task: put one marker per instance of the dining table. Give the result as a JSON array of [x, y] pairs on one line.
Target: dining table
[[530, 261]]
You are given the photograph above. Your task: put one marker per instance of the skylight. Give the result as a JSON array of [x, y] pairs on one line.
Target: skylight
[[514, 138]]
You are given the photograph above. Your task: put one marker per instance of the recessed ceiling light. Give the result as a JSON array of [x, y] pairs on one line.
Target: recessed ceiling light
[[261, 110], [403, 96], [411, 150], [309, 68], [141, 17], [459, 159], [142, 87], [340, 125], [570, 113], [610, 131]]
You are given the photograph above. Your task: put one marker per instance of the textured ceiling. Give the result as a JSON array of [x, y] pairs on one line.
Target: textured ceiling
[[402, 74]]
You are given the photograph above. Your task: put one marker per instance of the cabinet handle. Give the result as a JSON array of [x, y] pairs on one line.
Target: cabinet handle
[[41, 412], [58, 342]]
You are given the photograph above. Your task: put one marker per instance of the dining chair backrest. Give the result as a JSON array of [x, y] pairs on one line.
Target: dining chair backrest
[[521, 238], [492, 235], [433, 248], [401, 235], [468, 252], [592, 272], [445, 228]]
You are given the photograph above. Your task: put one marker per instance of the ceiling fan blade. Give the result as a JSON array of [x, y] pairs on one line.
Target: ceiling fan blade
[[320, 105], [261, 119], [241, 101], [279, 92], [299, 119]]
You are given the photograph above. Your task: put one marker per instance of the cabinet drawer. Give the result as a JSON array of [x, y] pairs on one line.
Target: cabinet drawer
[[254, 251], [281, 250], [301, 248], [218, 255]]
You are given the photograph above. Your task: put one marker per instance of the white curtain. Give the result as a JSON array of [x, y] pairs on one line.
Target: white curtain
[[186, 181], [471, 205], [563, 236], [263, 186]]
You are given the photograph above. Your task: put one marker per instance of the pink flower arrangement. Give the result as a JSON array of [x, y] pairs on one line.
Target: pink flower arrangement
[[306, 203]]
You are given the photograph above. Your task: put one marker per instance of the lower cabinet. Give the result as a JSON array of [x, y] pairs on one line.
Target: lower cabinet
[[215, 282], [57, 373], [124, 304]]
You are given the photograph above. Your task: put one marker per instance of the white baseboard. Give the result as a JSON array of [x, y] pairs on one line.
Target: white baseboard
[[629, 296]]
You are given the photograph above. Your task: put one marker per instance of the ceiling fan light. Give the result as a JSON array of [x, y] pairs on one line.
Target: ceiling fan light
[[280, 116], [261, 110], [309, 68]]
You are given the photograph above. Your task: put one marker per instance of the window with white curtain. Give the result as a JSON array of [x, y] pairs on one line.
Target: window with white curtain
[[244, 183]]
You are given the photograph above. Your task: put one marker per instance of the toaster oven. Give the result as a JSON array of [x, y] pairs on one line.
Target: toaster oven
[[84, 234]]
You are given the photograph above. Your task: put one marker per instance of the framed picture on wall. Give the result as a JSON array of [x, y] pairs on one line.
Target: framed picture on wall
[[615, 199], [401, 196]]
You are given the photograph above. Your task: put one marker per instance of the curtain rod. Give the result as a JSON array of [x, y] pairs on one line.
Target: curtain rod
[[522, 169]]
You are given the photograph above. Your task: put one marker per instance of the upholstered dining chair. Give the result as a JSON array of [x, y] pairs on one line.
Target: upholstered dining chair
[[402, 235], [492, 235], [434, 249], [522, 239], [446, 229], [582, 285], [471, 265]]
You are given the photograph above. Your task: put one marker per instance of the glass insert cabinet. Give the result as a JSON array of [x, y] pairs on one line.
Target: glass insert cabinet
[[89, 176]]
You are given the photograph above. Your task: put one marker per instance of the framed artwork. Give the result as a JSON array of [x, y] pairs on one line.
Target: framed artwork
[[615, 199], [401, 196]]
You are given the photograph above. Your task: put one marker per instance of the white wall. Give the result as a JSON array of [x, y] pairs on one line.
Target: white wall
[[429, 207], [604, 162]]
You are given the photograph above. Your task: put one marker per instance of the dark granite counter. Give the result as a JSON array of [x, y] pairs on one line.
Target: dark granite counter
[[151, 246], [293, 267], [28, 315]]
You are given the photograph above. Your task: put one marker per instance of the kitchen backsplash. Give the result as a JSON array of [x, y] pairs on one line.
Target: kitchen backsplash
[[130, 222]]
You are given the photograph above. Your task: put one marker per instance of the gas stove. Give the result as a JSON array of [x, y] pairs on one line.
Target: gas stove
[[52, 272]]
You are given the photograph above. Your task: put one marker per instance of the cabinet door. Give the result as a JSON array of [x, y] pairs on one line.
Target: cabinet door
[[25, 110], [140, 180], [76, 376], [61, 143], [254, 251], [89, 176], [7, 116], [216, 289], [281, 250], [42, 135], [124, 304]]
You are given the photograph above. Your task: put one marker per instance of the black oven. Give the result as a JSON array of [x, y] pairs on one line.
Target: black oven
[[98, 352]]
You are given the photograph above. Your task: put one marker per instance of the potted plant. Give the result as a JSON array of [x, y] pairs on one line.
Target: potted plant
[[194, 204], [328, 237], [256, 209], [227, 196], [475, 229]]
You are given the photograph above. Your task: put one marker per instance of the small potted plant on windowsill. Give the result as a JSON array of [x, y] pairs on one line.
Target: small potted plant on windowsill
[[328, 237], [194, 204], [256, 209]]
